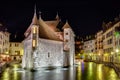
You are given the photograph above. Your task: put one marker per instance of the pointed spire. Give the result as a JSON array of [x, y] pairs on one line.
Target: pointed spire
[[40, 15], [15, 36], [35, 14], [66, 25], [66, 22], [35, 20], [35, 9], [57, 16]]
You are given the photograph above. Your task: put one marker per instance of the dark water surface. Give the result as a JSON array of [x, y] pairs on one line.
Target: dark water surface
[[84, 71]]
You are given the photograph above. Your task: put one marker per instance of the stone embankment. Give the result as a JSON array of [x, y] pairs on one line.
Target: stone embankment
[[3, 65], [115, 66]]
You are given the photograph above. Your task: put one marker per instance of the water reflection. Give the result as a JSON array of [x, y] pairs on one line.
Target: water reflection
[[99, 72], [84, 71], [92, 71]]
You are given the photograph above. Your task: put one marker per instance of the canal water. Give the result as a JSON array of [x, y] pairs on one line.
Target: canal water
[[83, 71]]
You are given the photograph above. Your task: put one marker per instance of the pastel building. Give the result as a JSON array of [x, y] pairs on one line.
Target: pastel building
[[16, 50], [89, 46]]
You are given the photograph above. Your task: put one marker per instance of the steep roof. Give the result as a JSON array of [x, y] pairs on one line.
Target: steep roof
[[34, 22], [66, 25], [53, 24], [45, 31]]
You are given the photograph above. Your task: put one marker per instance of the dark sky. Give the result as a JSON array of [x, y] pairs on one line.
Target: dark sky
[[84, 16]]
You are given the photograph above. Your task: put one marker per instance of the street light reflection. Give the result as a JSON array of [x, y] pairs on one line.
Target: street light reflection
[[90, 70], [79, 73], [15, 75], [99, 72], [6, 75], [85, 71]]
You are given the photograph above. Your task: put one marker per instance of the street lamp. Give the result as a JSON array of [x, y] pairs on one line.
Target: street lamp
[[117, 50], [112, 53]]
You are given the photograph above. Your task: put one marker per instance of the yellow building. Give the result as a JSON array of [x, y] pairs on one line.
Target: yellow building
[[99, 45], [16, 50], [99, 42]]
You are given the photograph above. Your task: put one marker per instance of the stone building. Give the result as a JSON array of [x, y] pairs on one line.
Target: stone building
[[46, 45]]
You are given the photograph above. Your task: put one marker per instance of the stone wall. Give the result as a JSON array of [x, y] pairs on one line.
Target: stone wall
[[49, 53]]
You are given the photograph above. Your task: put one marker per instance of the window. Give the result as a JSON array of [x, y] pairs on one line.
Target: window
[[10, 45], [103, 37], [33, 43], [109, 34], [66, 33], [17, 52], [109, 41], [48, 54], [16, 44], [9, 51], [34, 29], [92, 50]]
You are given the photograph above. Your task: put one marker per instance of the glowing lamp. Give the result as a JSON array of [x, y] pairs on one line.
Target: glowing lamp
[[117, 50]]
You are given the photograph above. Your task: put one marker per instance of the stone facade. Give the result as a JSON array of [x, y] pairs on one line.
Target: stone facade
[[47, 46]]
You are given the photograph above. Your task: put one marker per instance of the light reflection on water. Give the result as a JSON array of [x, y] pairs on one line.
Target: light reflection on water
[[83, 71]]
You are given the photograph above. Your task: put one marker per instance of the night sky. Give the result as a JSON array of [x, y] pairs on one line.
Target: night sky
[[85, 17]]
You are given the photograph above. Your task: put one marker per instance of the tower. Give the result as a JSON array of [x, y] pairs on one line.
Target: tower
[[69, 47], [32, 37], [35, 35]]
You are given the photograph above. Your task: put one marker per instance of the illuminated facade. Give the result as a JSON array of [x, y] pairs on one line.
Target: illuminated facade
[[16, 50], [99, 42], [45, 45], [89, 46], [109, 38], [111, 41], [4, 40]]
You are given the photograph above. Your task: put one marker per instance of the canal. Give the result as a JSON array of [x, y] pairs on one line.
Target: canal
[[83, 71]]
